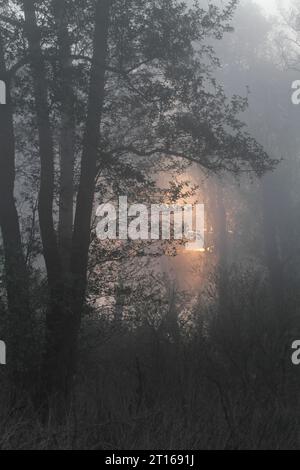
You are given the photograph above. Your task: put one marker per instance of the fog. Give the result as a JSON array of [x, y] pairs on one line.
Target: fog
[[115, 334]]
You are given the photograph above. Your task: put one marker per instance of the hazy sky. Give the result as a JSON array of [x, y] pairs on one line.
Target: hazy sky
[[270, 5]]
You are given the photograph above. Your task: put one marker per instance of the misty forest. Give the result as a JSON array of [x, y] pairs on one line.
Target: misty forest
[[143, 344]]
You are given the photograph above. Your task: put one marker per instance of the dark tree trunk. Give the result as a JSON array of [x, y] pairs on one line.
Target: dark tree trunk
[[271, 215], [221, 225], [46, 193], [54, 367], [85, 197], [67, 293], [221, 243], [16, 276], [67, 136], [66, 298]]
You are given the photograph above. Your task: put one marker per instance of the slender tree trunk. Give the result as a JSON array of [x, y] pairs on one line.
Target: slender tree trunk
[[54, 366], [16, 276], [272, 241], [221, 224], [67, 299], [85, 198], [221, 243], [222, 247], [67, 136], [46, 193]]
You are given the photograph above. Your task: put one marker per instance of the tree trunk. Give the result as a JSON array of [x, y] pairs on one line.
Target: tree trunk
[[221, 225], [46, 193], [67, 135], [219, 219], [272, 241], [16, 276], [85, 197], [67, 298], [53, 367]]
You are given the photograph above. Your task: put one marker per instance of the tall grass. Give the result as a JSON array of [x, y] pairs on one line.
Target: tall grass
[[226, 383]]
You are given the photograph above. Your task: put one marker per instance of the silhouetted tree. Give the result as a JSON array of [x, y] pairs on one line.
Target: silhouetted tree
[[124, 80]]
